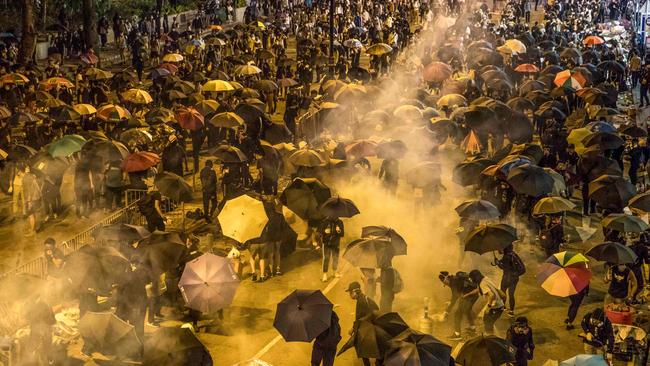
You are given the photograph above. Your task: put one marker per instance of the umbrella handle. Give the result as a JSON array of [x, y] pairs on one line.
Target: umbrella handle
[[494, 261]]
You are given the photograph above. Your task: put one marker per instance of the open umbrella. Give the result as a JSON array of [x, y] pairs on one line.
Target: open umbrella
[[412, 348], [226, 120], [122, 232], [172, 346], [640, 202], [585, 360], [552, 205], [379, 49], [527, 68], [571, 79], [229, 154], [604, 140], [44, 163], [436, 72], [361, 148], [66, 146], [304, 196], [108, 150], [162, 251], [172, 57], [592, 40], [243, 218], [173, 186], [611, 191], [112, 113], [612, 252], [485, 351], [208, 283], [110, 334], [396, 240], [140, 161], [371, 252], [247, 70], [371, 334], [564, 274], [624, 223], [95, 267], [189, 118], [478, 210], [137, 96], [489, 238], [303, 315], [339, 207], [530, 180], [217, 86], [468, 172], [425, 174], [84, 109], [306, 158]]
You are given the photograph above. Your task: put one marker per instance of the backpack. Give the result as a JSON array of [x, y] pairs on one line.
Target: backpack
[[398, 284], [468, 285], [518, 265]]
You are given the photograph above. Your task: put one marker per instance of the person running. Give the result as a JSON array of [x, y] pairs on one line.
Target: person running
[[460, 284]]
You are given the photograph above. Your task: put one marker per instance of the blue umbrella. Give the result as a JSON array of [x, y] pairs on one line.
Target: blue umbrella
[[585, 360]]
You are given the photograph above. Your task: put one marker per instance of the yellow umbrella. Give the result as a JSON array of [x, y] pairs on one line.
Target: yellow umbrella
[[112, 113], [243, 218], [247, 70], [173, 57], [516, 46], [14, 78], [236, 85], [217, 86], [137, 96], [451, 100], [84, 109], [50, 103], [216, 27], [379, 49], [207, 106], [57, 82], [94, 73], [329, 105], [505, 50], [575, 138], [257, 24], [226, 120]]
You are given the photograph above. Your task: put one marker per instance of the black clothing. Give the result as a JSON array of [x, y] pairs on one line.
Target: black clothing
[[365, 306], [619, 287], [600, 327], [324, 349], [523, 342]]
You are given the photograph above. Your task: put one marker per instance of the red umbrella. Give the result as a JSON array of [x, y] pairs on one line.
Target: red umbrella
[[189, 118], [140, 161], [89, 58], [437, 72], [527, 68], [593, 40]]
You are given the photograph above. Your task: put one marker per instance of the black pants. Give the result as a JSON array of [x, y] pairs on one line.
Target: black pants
[[509, 285], [521, 358], [330, 252], [644, 95], [576, 300], [489, 318], [464, 310], [113, 197], [209, 197], [322, 355], [155, 223]]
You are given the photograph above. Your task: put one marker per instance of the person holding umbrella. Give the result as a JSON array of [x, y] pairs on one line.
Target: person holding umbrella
[[364, 306], [329, 233], [209, 189]]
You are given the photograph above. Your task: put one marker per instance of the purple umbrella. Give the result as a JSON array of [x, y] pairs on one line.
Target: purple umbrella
[[208, 283]]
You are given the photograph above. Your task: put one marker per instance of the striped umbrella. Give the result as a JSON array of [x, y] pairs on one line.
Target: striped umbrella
[[571, 79], [564, 274]]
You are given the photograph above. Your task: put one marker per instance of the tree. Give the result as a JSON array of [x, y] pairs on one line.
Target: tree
[[28, 41], [90, 24]]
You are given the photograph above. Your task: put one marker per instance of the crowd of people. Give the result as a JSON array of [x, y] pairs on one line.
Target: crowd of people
[[541, 109]]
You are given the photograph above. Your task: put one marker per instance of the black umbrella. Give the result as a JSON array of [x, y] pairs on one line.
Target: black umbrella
[[396, 240], [412, 348], [521, 104], [468, 172], [640, 202], [633, 131], [372, 252], [531, 85], [490, 238], [162, 251], [303, 315], [105, 149], [612, 66], [530, 150], [229, 154], [175, 347], [172, 186], [371, 334], [122, 232], [277, 133], [551, 113], [95, 267], [109, 334], [486, 351], [20, 152], [339, 207], [611, 192], [43, 163], [478, 210], [604, 140], [304, 196], [530, 180], [611, 252], [519, 128]]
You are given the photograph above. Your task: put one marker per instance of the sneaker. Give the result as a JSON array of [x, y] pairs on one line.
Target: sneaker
[[569, 326], [254, 278], [337, 275], [455, 337], [262, 279], [154, 324], [278, 272], [510, 313], [324, 279]]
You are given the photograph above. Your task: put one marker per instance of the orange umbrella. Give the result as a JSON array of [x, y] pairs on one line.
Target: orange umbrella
[[593, 40], [140, 161], [189, 118], [571, 79], [14, 78], [437, 72], [57, 82], [527, 68], [112, 113]]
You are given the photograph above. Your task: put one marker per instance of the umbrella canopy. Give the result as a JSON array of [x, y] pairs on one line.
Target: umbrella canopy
[[247, 69], [306, 158], [603, 140], [207, 106], [564, 274], [112, 113], [361, 148], [379, 49], [624, 223], [592, 40], [304, 196], [552, 205], [425, 174], [451, 100], [243, 218], [208, 283], [611, 191], [66, 146], [95, 267], [84, 109], [585, 360], [162, 251], [303, 315], [412, 348], [396, 240], [478, 210], [226, 120], [371, 252], [175, 347], [189, 118], [371, 334], [468, 172], [110, 334], [527, 68], [612, 252], [437, 72], [172, 57], [530, 180], [105, 149], [489, 238], [44, 163], [640, 202], [122, 232], [140, 161], [173, 186], [571, 79], [137, 96], [229, 154], [339, 207], [485, 351], [217, 86]]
